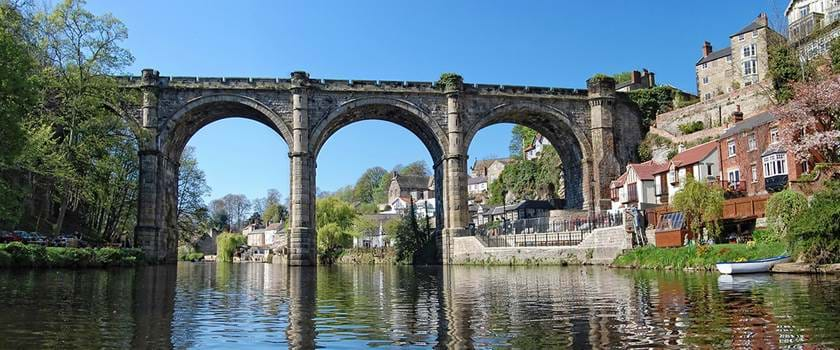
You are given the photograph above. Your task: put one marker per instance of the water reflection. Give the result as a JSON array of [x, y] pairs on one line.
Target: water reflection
[[269, 306]]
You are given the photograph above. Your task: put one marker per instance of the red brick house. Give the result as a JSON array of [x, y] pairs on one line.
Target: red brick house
[[753, 158]]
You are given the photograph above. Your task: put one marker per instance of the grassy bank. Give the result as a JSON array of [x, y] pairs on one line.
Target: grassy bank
[[368, 256], [695, 257], [22, 255]]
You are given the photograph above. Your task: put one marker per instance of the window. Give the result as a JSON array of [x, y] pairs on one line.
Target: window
[[749, 51], [632, 194], [741, 37], [775, 165], [734, 176], [705, 80], [803, 11], [749, 67], [806, 167], [729, 59], [774, 135], [730, 145], [707, 96], [755, 33], [704, 66], [751, 144], [754, 173]]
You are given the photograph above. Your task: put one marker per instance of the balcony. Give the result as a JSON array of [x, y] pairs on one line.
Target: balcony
[[801, 28], [731, 189]]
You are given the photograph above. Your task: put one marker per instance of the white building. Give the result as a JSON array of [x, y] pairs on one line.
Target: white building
[[534, 149], [636, 187], [702, 162], [377, 238], [808, 16], [476, 184]]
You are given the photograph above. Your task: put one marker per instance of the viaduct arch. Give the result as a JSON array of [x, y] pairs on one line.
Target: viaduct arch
[[596, 132]]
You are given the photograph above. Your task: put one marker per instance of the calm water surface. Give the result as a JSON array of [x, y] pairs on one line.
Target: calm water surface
[[259, 306]]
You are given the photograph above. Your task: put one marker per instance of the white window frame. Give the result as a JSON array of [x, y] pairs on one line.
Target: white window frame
[[708, 96], [775, 165], [730, 147], [705, 80], [774, 135], [750, 67], [734, 175], [752, 145], [748, 50], [755, 33], [754, 173]]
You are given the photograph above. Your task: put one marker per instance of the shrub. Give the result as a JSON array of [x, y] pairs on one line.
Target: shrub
[[815, 233], [226, 244], [782, 208], [834, 53], [702, 206], [691, 127], [23, 255]]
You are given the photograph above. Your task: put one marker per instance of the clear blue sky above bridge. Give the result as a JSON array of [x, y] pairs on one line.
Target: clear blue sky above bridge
[[538, 43]]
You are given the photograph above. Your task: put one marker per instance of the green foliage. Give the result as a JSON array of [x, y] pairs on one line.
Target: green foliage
[[696, 256], [367, 185], [784, 69], [416, 168], [188, 253], [521, 137], [659, 99], [651, 142], [540, 178], [702, 206], [193, 216], [335, 219], [413, 240], [226, 245], [599, 77], [691, 127], [17, 254], [834, 54], [450, 81], [815, 233], [622, 77], [782, 209]]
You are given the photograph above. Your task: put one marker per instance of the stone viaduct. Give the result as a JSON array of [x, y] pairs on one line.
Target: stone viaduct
[[595, 131]]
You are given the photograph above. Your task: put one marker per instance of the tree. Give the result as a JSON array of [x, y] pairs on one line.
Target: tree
[[414, 240], [417, 168], [380, 194], [785, 70], [219, 217], [237, 207], [810, 121], [193, 216], [834, 54], [659, 99], [520, 138], [367, 184], [335, 219], [702, 206]]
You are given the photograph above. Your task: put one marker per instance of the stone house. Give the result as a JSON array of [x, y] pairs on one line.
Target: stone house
[[636, 187], [526, 209], [752, 159], [702, 162], [476, 185], [806, 17], [638, 80], [489, 168], [744, 62], [417, 187]]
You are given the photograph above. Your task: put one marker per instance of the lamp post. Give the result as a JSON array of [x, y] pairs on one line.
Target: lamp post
[[504, 212]]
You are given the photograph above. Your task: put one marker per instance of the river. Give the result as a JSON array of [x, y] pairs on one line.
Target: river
[[262, 306]]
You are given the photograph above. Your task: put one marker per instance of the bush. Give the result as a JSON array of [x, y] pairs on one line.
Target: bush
[[834, 53], [691, 127], [782, 208], [696, 256], [226, 244], [24, 255], [815, 233]]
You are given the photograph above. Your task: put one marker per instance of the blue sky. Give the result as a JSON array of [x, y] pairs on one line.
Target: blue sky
[[538, 43]]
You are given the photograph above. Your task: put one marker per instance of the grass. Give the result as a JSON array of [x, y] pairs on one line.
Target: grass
[[696, 257], [17, 254]]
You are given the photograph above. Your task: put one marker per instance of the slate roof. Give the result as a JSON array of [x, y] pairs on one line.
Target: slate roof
[[275, 226], [756, 24], [483, 163], [476, 180], [715, 55], [408, 182], [749, 124]]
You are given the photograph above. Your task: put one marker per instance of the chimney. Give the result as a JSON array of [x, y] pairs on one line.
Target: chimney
[[737, 116], [635, 77], [707, 48], [762, 18], [651, 79]]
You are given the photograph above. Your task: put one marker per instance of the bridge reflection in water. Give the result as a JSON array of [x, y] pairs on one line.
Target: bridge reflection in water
[[273, 306]]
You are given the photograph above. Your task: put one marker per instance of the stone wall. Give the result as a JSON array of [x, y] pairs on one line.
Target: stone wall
[[601, 247]]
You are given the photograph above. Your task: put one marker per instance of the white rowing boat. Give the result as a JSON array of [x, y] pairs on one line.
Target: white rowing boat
[[751, 266]]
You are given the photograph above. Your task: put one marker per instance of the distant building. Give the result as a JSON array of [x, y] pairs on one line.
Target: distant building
[[533, 150], [812, 25], [417, 187], [743, 63], [378, 237], [526, 209], [638, 80], [702, 162], [489, 168], [476, 184]]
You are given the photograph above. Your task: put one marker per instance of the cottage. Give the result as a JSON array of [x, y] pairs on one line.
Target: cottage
[[416, 187], [476, 185], [489, 168], [702, 162], [376, 238], [637, 186]]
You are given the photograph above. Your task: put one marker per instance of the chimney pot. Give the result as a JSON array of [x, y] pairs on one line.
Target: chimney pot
[[707, 48], [737, 116]]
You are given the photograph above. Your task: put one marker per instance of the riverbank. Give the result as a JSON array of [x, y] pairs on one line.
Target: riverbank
[[695, 257], [368, 256], [24, 255]]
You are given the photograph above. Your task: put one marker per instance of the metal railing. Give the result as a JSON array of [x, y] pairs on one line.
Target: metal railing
[[536, 232]]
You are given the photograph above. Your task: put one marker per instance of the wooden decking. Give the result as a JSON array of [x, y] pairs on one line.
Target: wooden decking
[[733, 209]]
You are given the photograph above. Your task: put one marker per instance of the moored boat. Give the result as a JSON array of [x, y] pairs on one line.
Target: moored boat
[[751, 266]]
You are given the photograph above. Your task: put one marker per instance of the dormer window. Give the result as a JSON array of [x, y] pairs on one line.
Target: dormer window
[[774, 135]]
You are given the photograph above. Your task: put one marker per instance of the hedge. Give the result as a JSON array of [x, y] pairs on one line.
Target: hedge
[[17, 254]]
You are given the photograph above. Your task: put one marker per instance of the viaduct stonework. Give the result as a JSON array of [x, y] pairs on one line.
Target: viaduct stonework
[[595, 131]]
